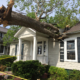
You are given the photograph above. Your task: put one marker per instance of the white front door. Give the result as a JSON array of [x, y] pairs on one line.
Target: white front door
[[42, 51]]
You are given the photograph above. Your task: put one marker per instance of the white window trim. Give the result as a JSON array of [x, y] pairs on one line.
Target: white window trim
[[44, 54], [42, 49], [65, 50]]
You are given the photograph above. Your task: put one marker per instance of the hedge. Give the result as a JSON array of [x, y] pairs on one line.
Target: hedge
[[57, 73], [28, 69], [7, 60]]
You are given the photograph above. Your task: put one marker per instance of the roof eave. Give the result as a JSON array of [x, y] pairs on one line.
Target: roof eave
[[73, 32]]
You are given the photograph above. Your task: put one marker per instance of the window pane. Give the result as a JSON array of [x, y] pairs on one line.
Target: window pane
[[71, 55], [61, 44], [40, 42], [40, 49], [44, 46], [1, 48], [62, 50], [0, 34], [70, 45]]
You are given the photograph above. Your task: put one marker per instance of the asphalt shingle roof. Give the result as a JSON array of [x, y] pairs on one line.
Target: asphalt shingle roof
[[74, 28], [2, 29]]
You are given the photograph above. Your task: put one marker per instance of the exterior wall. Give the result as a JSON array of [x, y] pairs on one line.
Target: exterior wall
[[53, 52], [26, 51], [54, 56]]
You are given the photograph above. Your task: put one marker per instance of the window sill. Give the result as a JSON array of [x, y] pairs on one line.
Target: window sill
[[71, 61], [39, 54]]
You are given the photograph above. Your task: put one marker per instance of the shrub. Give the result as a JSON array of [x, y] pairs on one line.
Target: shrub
[[7, 60], [47, 68], [57, 73], [74, 75], [2, 68], [28, 69]]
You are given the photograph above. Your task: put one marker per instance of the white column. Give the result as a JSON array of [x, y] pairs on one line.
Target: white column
[[19, 52], [31, 51], [34, 48]]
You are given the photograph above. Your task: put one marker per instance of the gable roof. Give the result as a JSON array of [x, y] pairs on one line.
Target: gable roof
[[22, 29], [4, 30], [74, 29]]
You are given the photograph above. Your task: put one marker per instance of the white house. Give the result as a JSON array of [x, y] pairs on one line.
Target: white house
[[33, 45]]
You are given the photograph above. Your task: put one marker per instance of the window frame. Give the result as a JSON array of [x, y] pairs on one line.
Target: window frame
[[46, 49], [65, 49], [3, 49]]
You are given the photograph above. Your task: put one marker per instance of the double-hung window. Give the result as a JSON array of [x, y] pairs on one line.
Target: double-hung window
[[42, 48], [70, 49]]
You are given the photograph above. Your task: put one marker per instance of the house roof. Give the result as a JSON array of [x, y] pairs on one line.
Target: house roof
[[74, 29], [21, 30], [2, 29]]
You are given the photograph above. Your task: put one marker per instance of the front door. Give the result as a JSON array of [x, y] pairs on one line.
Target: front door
[[42, 51]]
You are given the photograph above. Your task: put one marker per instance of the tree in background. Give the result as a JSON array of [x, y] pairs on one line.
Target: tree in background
[[9, 36], [64, 17], [43, 8]]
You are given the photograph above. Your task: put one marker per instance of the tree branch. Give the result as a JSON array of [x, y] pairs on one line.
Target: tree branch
[[8, 17]]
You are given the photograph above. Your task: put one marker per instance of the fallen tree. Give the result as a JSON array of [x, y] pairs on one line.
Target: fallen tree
[[8, 17]]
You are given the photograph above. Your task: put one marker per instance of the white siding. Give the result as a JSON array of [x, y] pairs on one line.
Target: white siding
[[26, 50], [54, 56]]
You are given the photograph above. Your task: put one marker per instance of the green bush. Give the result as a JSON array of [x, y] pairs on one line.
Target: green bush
[[7, 60], [28, 69], [74, 75], [47, 68], [57, 73]]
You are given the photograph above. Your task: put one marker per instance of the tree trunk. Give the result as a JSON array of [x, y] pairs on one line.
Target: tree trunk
[[22, 20], [8, 17]]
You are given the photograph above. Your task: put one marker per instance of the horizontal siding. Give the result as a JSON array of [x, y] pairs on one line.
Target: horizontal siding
[[54, 57]]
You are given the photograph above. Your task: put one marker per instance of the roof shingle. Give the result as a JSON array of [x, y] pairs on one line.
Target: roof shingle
[[2, 29], [74, 28]]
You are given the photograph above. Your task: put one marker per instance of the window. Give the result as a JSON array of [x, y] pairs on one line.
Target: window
[[1, 48], [41, 49], [71, 50], [44, 46], [1, 35]]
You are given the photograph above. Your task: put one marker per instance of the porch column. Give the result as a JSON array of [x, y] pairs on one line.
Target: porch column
[[34, 48], [19, 51]]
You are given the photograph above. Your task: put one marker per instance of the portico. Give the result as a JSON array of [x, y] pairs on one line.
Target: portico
[[38, 47]]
